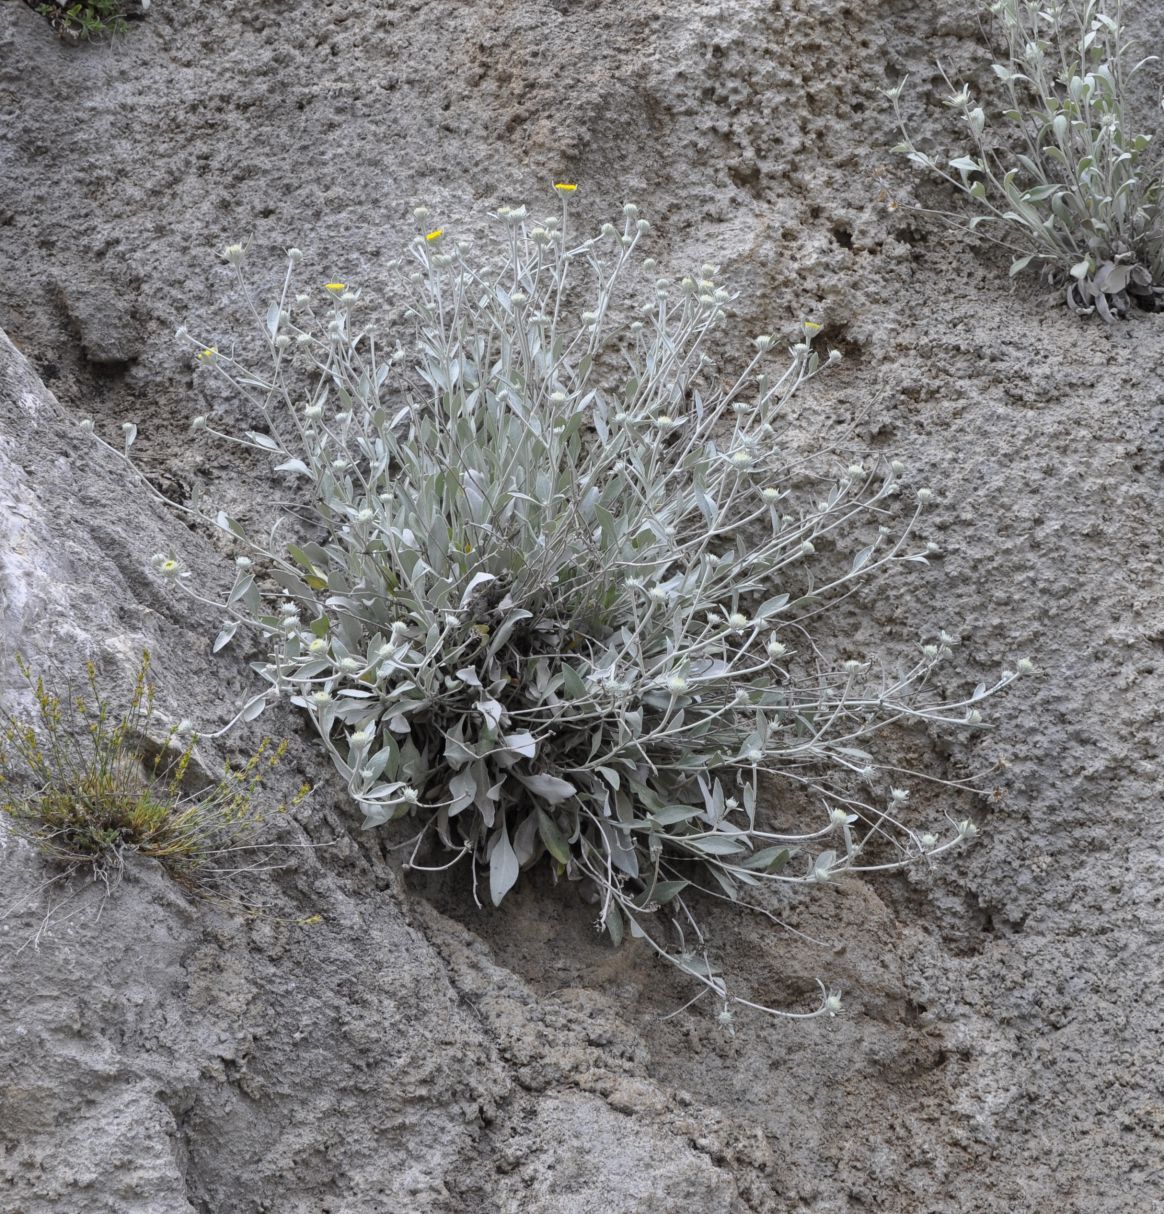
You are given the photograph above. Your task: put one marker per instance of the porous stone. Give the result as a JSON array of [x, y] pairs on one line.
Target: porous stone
[[1001, 1048]]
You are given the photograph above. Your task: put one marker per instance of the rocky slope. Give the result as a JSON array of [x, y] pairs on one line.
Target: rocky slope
[[362, 1043]]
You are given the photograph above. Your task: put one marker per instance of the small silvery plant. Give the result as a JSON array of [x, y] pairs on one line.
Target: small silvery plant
[[549, 583], [1061, 178]]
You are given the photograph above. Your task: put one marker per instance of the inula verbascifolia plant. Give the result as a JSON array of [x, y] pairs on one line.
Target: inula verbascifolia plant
[[548, 582], [1063, 179]]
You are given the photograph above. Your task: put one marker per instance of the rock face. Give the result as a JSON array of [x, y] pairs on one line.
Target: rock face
[[362, 1043]]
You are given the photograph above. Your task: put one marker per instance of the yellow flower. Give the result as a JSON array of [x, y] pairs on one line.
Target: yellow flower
[[435, 234], [335, 287], [565, 187], [208, 355], [810, 327]]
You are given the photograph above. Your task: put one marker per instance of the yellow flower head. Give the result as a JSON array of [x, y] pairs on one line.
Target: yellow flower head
[[335, 287], [435, 234], [208, 355], [565, 187], [811, 327]]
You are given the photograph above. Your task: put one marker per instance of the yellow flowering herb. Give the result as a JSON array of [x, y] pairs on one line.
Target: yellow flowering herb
[[436, 234], [565, 187], [335, 287]]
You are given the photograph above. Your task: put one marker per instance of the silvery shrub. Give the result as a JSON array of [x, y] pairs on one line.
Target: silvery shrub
[[1061, 178], [549, 582]]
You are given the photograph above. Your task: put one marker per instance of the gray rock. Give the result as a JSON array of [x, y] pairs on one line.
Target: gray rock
[[104, 324], [1002, 1047]]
